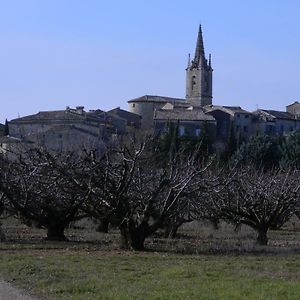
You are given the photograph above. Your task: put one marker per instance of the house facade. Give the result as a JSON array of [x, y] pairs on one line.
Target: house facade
[[68, 129], [278, 123], [231, 120], [191, 121]]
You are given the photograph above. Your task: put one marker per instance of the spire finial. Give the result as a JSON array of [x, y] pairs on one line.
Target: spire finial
[[209, 60]]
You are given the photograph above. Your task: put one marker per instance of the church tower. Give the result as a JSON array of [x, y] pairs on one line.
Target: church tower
[[199, 76]]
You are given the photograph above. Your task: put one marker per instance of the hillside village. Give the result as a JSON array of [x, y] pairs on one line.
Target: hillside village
[[74, 128]]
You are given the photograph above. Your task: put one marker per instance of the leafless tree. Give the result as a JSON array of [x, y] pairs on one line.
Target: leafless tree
[[43, 188], [261, 200], [138, 195]]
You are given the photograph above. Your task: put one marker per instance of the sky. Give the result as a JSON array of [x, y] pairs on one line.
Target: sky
[[102, 53]]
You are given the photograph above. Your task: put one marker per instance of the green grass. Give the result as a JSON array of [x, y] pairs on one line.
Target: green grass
[[121, 275]]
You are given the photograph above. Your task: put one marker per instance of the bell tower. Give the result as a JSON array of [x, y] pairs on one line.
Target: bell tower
[[199, 76]]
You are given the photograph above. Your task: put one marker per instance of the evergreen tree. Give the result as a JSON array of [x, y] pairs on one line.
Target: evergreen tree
[[290, 151], [6, 128], [260, 151]]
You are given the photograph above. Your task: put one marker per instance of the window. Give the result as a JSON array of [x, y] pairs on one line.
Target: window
[[133, 104], [245, 128], [238, 115], [193, 82], [198, 131], [246, 116], [181, 130], [269, 128]]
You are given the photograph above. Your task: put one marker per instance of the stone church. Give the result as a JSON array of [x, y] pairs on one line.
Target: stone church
[[157, 110], [197, 109]]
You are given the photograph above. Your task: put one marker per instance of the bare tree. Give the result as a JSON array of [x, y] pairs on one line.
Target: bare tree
[[261, 200], [43, 188], [138, 195]]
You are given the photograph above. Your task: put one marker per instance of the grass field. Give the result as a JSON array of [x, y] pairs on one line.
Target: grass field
[[223, 265], [107, 275]]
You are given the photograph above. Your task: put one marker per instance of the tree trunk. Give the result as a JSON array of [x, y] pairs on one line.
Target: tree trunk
[[238, 227], [56, 232], [103, 226], [132, 237], [171, 230], [2, 235], [262, 238], [216, 224]]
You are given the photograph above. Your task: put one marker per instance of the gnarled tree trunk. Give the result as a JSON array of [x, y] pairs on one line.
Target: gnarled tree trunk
[[2, 235], [171, 230], [103, 226], [262, 238], [56, 232], [132, 236]]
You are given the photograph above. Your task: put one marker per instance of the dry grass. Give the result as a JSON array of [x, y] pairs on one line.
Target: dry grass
[[202, 263], [193, 238]]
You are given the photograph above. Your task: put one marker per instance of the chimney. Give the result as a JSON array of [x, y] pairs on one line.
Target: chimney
[[80, 109]]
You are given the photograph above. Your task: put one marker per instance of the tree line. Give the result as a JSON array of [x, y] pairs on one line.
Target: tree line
[[143, 185]]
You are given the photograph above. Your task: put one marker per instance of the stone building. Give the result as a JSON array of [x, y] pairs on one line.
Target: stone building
[[232, 120], [294, 109], [198, 90], [133, 121], [274, 122], [145, 106], [190, 120], [68, 129], [12, 146]]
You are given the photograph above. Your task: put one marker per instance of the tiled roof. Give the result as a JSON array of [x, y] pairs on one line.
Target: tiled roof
[[183, 115], [278, 114], [46, 115], [295, 103], [118, 112], [159, 99], [64, 115], [228, 109]]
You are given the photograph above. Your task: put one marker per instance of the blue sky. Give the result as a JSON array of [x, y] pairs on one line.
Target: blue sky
[[58, 53]]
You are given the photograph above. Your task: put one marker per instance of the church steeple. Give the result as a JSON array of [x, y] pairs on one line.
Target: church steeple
[[199, 52], [199, 76]]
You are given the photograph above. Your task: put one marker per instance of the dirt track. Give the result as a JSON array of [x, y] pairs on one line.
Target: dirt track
[[8, 292]]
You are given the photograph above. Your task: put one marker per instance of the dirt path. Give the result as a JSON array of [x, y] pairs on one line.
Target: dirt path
[[8, 292]]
